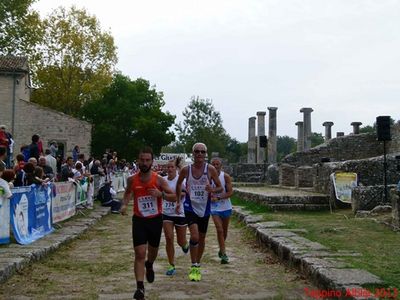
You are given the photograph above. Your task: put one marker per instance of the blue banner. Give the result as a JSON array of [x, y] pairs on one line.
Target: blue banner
[[31, 213]]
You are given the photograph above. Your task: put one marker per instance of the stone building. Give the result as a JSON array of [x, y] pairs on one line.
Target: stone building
[[24, 118]]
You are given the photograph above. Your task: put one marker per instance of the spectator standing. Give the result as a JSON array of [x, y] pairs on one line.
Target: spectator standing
[[20, 162], [9, 146], [34, 147], [3, 156], [5, 191], [66, 170], [53, 149], [47, 170], [51, 161], [75, 153]]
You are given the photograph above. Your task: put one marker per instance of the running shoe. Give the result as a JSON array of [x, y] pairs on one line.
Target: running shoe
[[171, 270], [198, 274], [139, 294], [224, 259], [149, 272], [193, 273], [185, 248]]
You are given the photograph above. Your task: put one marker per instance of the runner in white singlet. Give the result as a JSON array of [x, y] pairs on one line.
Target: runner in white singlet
[[221, 209], [197, 203]]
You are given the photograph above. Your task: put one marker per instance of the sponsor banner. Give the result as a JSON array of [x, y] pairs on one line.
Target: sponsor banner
[[343, 183], [4, 220], [63, 205], [81, 190], [31, 213]]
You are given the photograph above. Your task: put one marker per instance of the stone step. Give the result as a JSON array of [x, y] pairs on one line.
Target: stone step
[[295, 207]]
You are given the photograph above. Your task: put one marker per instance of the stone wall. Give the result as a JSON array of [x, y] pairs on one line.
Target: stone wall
[[350, 147], [303, 176], [368, 197], [51, 125], [286, 175], [369, 171], [248, 172]]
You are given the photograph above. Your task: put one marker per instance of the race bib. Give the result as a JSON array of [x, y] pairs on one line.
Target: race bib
[[198, 193], [147, 205], [169, 207]]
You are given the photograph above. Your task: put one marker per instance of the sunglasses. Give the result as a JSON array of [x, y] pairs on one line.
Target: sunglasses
[[200, 151]]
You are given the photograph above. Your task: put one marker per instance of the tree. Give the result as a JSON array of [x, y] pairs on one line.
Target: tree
[[202, 123], [20, 28], [76, 61], [285, 145], [316, 139], [127, 117]]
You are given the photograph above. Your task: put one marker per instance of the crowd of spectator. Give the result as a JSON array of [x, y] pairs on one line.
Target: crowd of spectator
[[34, 164]]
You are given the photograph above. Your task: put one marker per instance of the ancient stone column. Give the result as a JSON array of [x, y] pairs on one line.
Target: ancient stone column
[[251, 144], [300, 136], [260, 132], [339, 133], [356, 127], [307, 126], [328, 130], [272, 139]]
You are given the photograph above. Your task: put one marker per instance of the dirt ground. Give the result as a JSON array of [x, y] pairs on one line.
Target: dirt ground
[[99, 265]]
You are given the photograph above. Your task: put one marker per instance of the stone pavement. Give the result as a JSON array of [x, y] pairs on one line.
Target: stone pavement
[[14, 257], [321, 265]]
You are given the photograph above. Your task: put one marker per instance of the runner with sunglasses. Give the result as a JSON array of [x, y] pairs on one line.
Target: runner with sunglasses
[[198, 202]]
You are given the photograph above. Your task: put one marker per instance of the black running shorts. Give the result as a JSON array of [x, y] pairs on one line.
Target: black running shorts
[[202, 222], [146, 230]]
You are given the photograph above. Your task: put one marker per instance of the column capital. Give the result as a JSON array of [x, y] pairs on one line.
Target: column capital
[[261, 113], [252, 118], [272, 108], [356, 123], [299, 123], [328, 123], [306, 110]]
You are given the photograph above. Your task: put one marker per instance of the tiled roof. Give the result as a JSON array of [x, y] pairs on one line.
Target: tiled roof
[[13, 64]]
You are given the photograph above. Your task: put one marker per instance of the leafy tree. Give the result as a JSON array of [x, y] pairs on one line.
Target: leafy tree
[[76, 61], [202, 123], [285, 145], [368, 128], [128, 117], [20, 28], [316, 139]]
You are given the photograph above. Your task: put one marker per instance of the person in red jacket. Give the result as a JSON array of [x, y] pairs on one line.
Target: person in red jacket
[[148, 190]]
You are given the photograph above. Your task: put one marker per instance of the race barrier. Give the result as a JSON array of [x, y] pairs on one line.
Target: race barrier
[[32, 210]]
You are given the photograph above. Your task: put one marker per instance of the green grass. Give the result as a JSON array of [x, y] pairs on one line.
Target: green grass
[[378, 245]]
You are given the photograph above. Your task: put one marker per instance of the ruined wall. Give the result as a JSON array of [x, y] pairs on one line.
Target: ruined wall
[[339, 149], [248, 172], [369, 171]]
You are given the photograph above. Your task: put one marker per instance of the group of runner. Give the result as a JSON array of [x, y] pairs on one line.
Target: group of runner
[[185, 198]]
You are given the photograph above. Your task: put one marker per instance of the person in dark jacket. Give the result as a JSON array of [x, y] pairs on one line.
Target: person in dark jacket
[[106, 196]]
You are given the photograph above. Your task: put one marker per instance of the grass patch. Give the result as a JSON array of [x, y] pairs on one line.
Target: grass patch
[[378, 245]]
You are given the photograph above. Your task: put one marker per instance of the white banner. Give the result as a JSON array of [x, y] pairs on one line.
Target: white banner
[[63, 206]]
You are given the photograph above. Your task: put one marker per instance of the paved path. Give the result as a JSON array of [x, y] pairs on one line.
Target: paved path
[[98, 265]]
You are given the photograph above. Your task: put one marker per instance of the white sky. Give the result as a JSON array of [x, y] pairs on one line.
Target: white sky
[[340, 57]]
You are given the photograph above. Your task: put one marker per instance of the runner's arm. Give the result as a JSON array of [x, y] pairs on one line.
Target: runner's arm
[[127, 196], [166, 192], [181, 177], [214, 177]]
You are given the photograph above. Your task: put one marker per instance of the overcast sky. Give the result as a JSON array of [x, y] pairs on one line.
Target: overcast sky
[[341, 58]]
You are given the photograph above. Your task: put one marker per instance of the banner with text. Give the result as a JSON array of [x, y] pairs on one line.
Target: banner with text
[[63, 205], [343, 182], [31, 213]]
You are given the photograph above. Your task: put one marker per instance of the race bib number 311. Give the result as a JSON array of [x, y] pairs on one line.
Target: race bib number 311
[[147, 205]]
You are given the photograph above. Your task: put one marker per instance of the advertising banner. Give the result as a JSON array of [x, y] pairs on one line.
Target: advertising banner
[[81, 190], [63, 205], [4, 220], [343, 182], [31, 213]]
